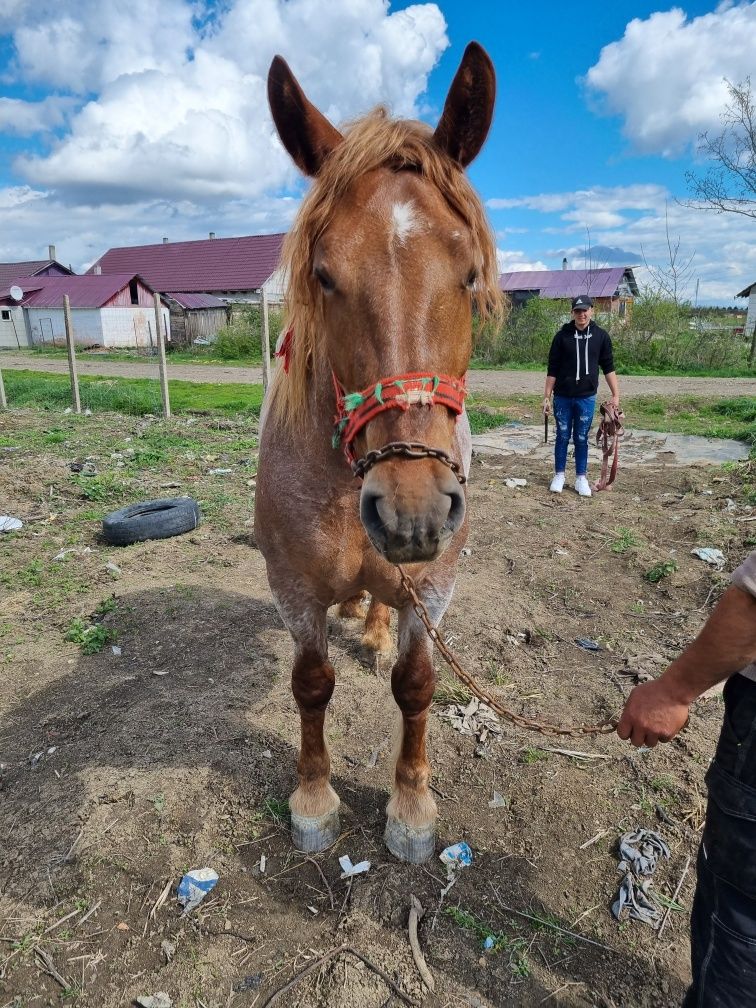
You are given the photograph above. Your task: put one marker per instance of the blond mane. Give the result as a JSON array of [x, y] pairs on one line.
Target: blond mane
[[369, 142]]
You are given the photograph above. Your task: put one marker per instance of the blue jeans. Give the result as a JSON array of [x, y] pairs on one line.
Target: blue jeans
[[573, 421], [723, 922]]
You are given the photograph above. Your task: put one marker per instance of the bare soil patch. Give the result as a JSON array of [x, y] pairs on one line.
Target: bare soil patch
[[124, 770]]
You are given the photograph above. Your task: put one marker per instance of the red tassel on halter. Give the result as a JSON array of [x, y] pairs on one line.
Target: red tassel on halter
[[283, 350]]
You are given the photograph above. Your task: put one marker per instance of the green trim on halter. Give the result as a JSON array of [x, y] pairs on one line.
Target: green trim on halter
[[352, 400], [336, 439], [378, 393]]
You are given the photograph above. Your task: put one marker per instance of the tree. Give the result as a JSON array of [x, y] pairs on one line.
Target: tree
[[672, 279], [730, 185]]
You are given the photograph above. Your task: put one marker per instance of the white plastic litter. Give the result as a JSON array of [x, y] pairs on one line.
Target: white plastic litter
[[515, 484], [458, 855], [498, 801], [714, 557], [348, 869], [159, 1000], [116, 651], [476, 719], [9, 524], [194, 886]]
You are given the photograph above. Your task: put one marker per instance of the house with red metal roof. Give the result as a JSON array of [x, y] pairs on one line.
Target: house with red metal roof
[[108, 311], [612, 288], [749, 330], [232, 269], [10, 271]]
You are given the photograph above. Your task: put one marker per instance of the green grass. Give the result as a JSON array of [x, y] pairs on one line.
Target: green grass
[[92, 637], [659, 571], [514, 948], [624, 539], [728, 417], [129, 395]]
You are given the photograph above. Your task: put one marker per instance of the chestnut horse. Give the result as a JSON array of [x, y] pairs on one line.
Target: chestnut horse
[[388, 257]]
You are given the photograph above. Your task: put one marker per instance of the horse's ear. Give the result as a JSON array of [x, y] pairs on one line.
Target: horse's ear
[[304, 131], [464, 125]]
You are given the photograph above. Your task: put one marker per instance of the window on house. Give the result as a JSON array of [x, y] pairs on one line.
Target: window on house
[[6, 315], [134, 291]]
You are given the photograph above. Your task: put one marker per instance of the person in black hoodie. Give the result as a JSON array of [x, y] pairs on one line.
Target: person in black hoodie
[[577, 351]]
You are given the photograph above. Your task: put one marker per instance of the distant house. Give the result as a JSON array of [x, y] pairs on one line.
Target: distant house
[[108, 311], [612, 288], [750, 322], [232, 269], [10, 271]]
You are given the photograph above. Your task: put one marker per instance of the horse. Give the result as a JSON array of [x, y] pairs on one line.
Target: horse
[[364, 441]]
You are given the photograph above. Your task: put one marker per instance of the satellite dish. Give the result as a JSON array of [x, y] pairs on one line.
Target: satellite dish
[[16, 293]]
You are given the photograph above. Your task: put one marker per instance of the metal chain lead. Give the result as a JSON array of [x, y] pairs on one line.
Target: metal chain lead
[[544, 727], [407, 449]]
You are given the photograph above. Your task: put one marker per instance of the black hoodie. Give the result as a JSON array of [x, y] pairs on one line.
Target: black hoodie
[[575, 358]]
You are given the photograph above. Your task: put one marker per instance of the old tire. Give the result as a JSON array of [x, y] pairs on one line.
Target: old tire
[[154, 519]]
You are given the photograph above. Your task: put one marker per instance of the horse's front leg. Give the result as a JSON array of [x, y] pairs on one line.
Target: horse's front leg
[[314, 805], [411, 812]]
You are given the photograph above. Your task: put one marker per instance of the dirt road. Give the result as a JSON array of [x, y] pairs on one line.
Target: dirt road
[[494, 382]]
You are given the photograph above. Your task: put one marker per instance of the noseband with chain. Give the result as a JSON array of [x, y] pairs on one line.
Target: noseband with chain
[[354, 410]]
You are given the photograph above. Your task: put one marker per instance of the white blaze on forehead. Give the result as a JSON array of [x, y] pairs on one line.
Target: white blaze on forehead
[[404, 221]]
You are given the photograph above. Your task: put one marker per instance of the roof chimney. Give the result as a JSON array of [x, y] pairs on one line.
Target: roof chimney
[[212, 234], [165, 241], [564, 263], [50, 251], [98, 270]]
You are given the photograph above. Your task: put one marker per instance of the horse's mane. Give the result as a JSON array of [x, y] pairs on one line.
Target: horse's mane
[[369, 142]]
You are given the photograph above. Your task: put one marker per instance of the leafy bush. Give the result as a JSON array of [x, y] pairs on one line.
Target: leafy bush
[[243, 336]]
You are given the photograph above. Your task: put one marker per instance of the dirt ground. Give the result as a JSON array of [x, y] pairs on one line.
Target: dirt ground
[[493, 382], [122, 770]]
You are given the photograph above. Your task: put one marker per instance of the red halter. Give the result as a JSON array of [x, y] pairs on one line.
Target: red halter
[[354, 410]]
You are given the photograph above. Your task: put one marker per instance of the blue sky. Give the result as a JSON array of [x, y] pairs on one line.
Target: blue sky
[[122, 125]]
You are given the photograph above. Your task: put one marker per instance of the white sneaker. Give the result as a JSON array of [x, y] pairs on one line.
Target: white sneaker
[[557, 484], [582, 486]]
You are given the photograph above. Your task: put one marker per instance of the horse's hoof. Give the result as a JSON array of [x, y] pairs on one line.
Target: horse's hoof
[[312, 834], [410, 843]]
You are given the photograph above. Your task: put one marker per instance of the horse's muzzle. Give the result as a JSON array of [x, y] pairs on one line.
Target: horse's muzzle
[[411, 527]]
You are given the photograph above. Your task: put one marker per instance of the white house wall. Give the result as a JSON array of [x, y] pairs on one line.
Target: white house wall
[[13, 330], [112, 327]]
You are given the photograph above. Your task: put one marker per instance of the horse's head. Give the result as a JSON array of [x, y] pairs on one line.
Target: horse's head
[[388, 258]]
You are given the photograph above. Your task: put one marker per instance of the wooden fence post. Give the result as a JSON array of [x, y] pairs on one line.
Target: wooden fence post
[[71, 354], [3, 400], [161, 359], [265, 341]]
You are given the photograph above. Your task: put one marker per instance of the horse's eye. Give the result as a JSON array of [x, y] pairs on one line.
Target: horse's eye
[[472, 278], [324, 279]]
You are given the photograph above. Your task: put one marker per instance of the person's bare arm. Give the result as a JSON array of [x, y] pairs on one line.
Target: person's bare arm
[[611, 381], [656, 711], [548, 389]]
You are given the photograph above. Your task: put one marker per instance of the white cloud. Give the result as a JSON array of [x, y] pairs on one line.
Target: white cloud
[[27, 117], [164, 124], [81, 45], [665, 76], [633, 217], [515, 261], [598, 207]]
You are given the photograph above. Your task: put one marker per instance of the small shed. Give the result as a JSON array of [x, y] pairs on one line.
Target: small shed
[[196, 316], [612, 288], [106, 311]]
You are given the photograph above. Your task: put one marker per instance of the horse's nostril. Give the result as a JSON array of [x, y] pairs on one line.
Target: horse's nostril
[[456, 509], [369, 514]]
